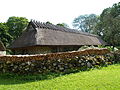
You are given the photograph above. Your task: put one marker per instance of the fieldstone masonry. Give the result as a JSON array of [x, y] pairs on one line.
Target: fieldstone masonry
[[55, 62]]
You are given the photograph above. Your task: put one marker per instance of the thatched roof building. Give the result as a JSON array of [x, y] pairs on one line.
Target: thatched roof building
[[2, 49], [48, 36]]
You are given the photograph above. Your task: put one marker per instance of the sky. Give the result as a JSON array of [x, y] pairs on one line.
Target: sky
[[55, 11]]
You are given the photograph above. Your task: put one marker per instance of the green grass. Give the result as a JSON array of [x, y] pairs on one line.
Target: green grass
[[106, 78]]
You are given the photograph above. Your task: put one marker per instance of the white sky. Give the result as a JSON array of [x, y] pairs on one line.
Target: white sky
[[55, 11]]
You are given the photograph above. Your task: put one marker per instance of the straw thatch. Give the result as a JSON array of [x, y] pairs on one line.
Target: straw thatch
[[41, 34], [2, 47]]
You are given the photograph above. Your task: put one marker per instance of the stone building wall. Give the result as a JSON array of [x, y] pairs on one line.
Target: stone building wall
[[45, 49], [33, 50]]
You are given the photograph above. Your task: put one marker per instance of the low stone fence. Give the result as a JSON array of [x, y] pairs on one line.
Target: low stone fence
[[55, 62], [116, 56]]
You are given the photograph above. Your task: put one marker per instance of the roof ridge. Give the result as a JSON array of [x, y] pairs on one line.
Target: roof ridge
[[39, 24]]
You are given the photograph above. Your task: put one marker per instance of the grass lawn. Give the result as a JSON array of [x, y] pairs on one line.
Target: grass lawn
[[106, 78]]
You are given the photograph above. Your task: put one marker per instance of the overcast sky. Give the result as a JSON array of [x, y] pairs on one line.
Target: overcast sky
[[55, 11]]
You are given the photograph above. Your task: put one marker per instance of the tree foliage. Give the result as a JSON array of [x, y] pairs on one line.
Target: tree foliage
[[5, 37], [48, 22], [86, 23], [12, 29], [16, 26], [109, 25], [63, 25], [59, 24]]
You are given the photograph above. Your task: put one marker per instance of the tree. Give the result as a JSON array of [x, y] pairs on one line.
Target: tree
[[63, 25], [5, 37], [86, 23], [59, 24], [109, 25], [16, 26], [48, 22]]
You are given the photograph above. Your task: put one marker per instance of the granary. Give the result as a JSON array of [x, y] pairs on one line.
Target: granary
[[41, 38], [2, 49]]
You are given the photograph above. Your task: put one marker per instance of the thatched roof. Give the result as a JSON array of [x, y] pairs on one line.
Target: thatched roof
[[2, 47], [48, 34]]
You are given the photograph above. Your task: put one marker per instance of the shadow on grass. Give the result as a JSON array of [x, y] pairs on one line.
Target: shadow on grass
[[11, 79]]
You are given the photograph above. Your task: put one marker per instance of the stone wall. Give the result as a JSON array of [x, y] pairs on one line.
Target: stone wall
[[116, 56], [55, 62]]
